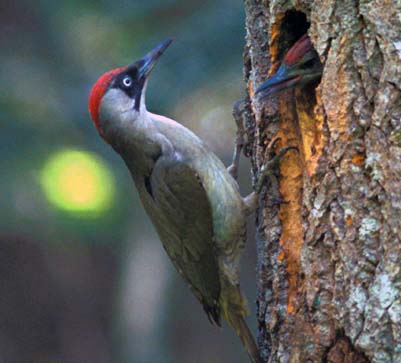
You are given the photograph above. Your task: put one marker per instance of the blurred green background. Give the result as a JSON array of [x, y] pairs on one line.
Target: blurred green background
[[83, 276]]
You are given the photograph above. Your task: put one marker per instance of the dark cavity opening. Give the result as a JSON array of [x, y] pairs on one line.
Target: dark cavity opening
[[292, 27]]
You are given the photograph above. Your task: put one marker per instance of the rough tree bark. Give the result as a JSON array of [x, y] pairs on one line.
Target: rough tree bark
[[329, 260]]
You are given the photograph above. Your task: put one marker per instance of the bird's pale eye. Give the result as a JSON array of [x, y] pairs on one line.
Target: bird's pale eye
[[127, 81]]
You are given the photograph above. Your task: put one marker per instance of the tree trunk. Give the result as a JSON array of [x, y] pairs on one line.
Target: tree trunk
[[329, 259]]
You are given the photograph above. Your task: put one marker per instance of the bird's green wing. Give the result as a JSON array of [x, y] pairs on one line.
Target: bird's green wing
[[186, 228]]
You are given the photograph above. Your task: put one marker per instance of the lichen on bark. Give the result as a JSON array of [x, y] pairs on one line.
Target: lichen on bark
[[329, 260]]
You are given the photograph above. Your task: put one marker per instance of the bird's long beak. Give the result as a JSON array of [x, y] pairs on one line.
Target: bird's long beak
[[147, 62], [278, 82]]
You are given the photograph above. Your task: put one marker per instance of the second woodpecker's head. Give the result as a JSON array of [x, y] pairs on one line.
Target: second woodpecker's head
[[301, 65], [118, 96]]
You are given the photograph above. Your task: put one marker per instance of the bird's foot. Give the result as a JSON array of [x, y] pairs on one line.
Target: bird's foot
[[238, 111], [267, 171], [278, 200]]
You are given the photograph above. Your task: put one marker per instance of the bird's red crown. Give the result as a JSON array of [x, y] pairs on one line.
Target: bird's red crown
[[97, 92], [298, 50]]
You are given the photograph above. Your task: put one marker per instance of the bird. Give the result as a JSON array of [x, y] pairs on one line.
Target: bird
[[192, 199], [300, 66]]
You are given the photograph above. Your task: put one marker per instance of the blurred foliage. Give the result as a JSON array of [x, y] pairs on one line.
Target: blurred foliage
[[78, 182], [51, 53]]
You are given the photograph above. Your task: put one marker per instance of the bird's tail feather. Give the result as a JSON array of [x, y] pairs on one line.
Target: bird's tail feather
[[235, 316], [237, 321]]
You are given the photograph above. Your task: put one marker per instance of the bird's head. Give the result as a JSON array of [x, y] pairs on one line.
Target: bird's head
[[118, 96], [300, 66]]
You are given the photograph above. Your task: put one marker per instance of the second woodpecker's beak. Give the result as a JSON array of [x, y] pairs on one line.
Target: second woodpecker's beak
[[146, 63], [301, 65], [278, 82]]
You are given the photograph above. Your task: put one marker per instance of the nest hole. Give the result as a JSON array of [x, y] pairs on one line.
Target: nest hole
[[291, 26]]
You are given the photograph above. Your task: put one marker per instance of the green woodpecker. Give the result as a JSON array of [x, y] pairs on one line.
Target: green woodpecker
[[191, 198], [300, 66]]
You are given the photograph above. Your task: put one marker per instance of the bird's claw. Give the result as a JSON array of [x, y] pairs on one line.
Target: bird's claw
[[278, 200], [267, 170]]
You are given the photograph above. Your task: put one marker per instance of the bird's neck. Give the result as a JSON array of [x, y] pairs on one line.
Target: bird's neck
[[162, 120], [140, 142]]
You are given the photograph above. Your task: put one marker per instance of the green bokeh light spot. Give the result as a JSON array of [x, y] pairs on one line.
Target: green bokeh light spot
[[78, 181]]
